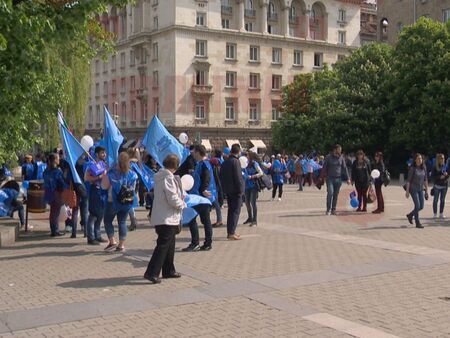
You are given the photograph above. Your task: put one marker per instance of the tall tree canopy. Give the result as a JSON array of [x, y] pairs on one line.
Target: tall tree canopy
[[45, 50]]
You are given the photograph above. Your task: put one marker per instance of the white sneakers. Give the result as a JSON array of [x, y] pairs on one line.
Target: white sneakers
[[441, 216]]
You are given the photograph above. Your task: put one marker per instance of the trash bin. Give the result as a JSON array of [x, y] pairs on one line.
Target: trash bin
[[35, 197]]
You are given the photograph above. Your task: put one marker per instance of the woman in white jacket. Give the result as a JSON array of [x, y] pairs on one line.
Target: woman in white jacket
[[166, 217]]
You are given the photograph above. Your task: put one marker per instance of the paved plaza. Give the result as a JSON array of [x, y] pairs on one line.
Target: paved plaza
[[299, 273]]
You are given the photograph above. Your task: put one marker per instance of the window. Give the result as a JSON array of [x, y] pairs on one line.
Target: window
[[105, 88], [123, 85], [298, 58], [156, 106], [231, 51], [342, 37], [340, 57], [155, 51], [399, 27], [97, 115], [155, 23], [249, 26], [271, 9], [123, 26], [122, 60], [143, 80], [113, 87], [253, 111], [144, 113], [155, 78], [132, 58], [342, 15], [276, 55], [90, 117], [276, 82], [132, 83], [200, 78], [229, 110], [276, 114], [254, 53], [231, 80], [200, 110], [113, 63], [133, 111], [446, 15], [226, 23], [271, 29], [254, 81], [97, 66], [97, 89], [201, 19], [292, 12], [249, 4], [143, 53], [154, 2], [123, 112], [318, 60], [105, 66], [200, 48]]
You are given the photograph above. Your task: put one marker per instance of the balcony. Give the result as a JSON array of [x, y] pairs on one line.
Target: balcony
[[141, 93], [250, 13], [272, 16], [202, 89], [227, 10]]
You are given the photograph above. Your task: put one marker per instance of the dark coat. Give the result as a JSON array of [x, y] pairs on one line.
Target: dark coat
[[231, 177]]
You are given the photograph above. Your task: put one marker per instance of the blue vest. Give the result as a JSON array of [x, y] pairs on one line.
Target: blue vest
[[250, 171], [39, 171], [278, 170], [27, 170], [53, 181], [118, 179], [197, 180]]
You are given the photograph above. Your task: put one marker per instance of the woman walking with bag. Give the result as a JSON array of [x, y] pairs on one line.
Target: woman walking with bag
[[416, 185], [251, 175], [167, 221], [379, 165], [361, 179], [439, 175]]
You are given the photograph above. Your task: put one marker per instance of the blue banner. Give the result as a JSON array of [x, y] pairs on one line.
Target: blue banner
[[145, 174], [72, 150], [112, 139]]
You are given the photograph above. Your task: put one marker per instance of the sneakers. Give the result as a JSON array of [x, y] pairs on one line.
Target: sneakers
[[435, 216], [93, 242], [419, 226], [442, 216], [279, 199], [152, 280], [333, 212], [191, 248], [217, 224], [248, 221], [205, 247], [328, 213], [410, 218], [253, 224], [234, 237], [111, 247]]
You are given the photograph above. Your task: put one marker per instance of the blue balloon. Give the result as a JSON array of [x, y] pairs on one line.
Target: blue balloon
[[226, 151], [25, 185], [354, 203]]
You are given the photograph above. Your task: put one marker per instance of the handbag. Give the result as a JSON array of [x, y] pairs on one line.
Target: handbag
[[371, 196], [386, 178], [432, 191], [264, 182], [69, 197]]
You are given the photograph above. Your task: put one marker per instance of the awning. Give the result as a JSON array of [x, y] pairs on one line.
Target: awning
[[231, 142], [207, 144], [258, 144], [130, 143]]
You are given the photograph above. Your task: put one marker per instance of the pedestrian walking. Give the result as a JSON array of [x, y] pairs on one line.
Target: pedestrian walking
[[278, 177], [234, 188], [417, 188], [380, 166], [361, 179], [299, 172], [334, 171], [251, 174], [216, 163], [167, 221], [439, 176]]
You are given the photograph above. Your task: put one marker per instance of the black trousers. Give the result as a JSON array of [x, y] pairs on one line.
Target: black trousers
[[234, 211], [204, 211], [164, 253], [280, 190]]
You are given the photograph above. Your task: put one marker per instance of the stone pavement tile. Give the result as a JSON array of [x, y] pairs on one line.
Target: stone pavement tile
[[235, 317], [403, 303]]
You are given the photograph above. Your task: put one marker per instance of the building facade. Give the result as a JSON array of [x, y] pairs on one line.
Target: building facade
[[369, 22], [393, 15], [212, 68]]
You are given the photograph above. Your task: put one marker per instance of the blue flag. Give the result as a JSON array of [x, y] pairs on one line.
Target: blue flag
[[72, 150], [194, 200], [145, 174], [188, 215], [160, 143], [112, 139]]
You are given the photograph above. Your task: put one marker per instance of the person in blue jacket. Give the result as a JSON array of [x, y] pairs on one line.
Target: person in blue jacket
[[10, 204], [251, 175], [27, 168], [278, 171], [205, 186], [54, 185], [120, 182], [39, 168]]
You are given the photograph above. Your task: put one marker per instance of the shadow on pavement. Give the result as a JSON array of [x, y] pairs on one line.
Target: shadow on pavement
[[92, 283]]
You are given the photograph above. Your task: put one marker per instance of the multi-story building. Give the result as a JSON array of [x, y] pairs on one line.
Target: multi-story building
[[214, 69], [393, 15], [369, 22]]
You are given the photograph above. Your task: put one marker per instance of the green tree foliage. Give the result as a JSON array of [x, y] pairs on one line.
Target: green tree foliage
[[45, 50], [391, 98]]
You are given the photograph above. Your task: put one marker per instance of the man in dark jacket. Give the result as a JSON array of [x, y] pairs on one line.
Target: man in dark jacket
[[233, 187]]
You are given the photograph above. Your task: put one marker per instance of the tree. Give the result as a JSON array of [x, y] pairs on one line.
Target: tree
[[420, 97], [45, 50]]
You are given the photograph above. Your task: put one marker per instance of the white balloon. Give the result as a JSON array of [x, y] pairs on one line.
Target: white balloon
[[183, 138], [187, 181], [87, 142], [375, 173], [244, 162], [268, 165]]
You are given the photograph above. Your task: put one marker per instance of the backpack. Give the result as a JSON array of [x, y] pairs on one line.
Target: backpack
[[264, 182], [125, 195]]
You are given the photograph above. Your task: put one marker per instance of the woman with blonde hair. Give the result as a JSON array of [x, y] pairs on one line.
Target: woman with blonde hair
[[439, 175], [121, 184]]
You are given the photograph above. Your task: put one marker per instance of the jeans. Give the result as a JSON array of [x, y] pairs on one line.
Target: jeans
[[234, 210], [333, 188], [418, 199], [110, 214], [216, 206], [18, 206], [164, 253], [300, 182], [204, 211], [74, 220], [380, 199], [94, 222], [251, 195], [280, 190], [55, 208], [133, 218], [362, 197], [439, 193], [84, 212]]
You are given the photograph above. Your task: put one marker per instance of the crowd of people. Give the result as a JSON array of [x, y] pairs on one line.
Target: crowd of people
[[231, 176]]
